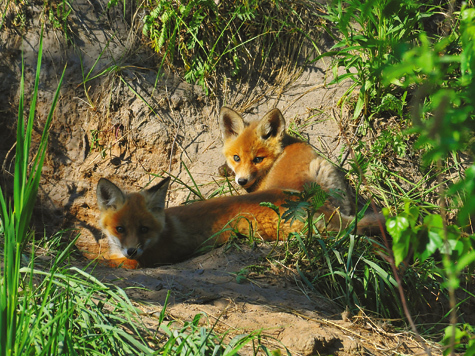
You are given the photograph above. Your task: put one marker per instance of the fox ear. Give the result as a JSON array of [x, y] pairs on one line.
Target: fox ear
[[271, 125], [230, 122], [158, 195], [109, 195]]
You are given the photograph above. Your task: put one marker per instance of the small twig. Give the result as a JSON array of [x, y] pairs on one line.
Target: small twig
[[4, 165]]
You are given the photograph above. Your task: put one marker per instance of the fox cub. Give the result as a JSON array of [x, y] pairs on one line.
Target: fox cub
[[263, 155], [140, 228]]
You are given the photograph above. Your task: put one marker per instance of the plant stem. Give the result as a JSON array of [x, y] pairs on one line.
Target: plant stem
[[390, 257]]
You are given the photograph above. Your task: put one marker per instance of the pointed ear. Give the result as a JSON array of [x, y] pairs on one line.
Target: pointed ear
[[157, 195], [271, 125], [230, 122], [109, 195]]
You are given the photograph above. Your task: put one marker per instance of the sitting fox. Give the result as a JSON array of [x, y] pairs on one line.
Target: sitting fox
[[140, 228], [263, 156]]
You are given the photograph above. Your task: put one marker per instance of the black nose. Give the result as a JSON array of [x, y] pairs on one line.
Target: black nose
[[242, 181], [131, 252]]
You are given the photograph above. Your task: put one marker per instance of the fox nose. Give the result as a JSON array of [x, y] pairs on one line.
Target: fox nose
[[131, 252], [242, 181]]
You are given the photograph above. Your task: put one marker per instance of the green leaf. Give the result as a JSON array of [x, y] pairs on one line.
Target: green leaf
[[386, 277], [465, 261], [359, 107], [396, 226], [272, 206], [296, 210], [399, 228], [435, 242], [400, 251]]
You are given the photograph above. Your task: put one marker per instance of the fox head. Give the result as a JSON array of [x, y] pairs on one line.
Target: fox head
[[251, 148], [132, 222]]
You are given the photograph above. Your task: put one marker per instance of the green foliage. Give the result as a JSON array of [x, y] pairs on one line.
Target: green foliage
[[441, 75], [445, 78], [204, 35], [16, 217], [181, 27], [20, 18], [58, 14], [350, 274], [346, 270], [463, 337], [371, 31], [306, 204], [193, 339], [428, 237], [304, 208], [71, 312], [372, 158], [3, 12], [466, 189], [96, 143], [343, 267], [444, 123]]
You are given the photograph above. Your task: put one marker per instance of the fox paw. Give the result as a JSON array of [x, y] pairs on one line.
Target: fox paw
[[121, 263]]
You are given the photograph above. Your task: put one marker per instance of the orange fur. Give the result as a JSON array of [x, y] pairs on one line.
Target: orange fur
[[122, 262], [140, 228], [264, 156]]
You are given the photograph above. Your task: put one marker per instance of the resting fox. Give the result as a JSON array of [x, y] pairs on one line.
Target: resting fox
[[264, 156], [140, 227]]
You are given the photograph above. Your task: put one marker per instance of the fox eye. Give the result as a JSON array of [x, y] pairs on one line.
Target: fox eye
[[143, 229], [120, 229], [258, 159], [237, 158]]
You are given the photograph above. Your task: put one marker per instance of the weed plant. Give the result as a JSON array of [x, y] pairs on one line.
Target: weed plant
[[372, 33], [385, 53], [3, 12], [203, 36], [58, 15], [356, 271], [341, 266], [16, 219], [444, 119], [193, 339]]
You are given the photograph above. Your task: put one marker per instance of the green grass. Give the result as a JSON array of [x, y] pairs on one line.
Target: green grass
[[16, 218], [206, 39], [66, 310], [4, 13], [368, 36]]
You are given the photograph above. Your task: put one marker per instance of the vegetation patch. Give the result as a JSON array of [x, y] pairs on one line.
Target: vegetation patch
[[205, 39]]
